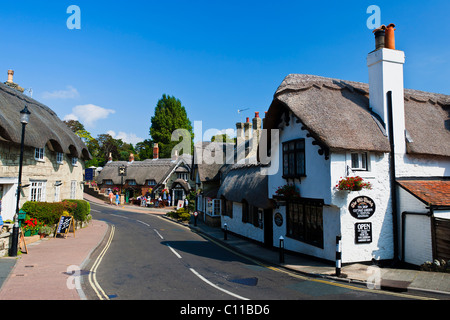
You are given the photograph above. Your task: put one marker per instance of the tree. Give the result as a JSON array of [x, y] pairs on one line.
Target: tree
[[145, 149], [170, 115], [74, 125]]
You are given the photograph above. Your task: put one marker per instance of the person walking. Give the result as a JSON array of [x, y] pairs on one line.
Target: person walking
[[111, 197], [117, 199]]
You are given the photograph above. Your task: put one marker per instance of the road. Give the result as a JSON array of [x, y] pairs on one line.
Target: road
[[147, 257]]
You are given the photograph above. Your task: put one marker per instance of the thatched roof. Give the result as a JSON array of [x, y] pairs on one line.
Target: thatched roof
[[141, 171], [336, 114], [208, 162], [44, 128], [245, 182]]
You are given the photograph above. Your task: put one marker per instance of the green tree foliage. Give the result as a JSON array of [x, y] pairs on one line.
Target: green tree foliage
[[144, 149], [170, 115]]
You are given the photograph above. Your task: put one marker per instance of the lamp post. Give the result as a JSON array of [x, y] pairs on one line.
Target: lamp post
[[24, 119]]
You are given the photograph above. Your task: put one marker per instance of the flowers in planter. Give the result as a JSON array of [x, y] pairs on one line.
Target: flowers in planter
[[46, 230], [32, 225], [288, 191], [353, 184]]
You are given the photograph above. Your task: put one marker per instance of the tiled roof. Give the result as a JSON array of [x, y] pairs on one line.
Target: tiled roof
[[432, 192]]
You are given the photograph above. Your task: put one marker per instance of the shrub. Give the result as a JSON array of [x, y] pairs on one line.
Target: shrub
[[48, 213], [180, 215], [82, 209]]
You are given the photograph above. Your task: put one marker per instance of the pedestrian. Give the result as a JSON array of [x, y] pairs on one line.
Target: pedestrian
[[170, 200], [117, 199], [186, 203], [111, 197]]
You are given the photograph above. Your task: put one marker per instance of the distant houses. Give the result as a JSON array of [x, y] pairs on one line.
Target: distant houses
[[152, 178], [54, 156]]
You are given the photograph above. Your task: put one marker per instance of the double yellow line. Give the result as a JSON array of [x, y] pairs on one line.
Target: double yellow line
[[93, 272]]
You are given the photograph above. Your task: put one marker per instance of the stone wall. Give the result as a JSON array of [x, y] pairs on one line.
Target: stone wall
[[48, 171]]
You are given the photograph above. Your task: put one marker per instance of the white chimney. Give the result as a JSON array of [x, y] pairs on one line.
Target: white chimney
[[386, 75]]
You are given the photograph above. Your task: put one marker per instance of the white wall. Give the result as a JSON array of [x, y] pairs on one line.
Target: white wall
[[318, 169], [236, 225], [382, 247]]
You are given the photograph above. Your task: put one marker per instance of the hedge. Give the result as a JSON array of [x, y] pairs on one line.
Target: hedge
[[49, 213], [82, 210]]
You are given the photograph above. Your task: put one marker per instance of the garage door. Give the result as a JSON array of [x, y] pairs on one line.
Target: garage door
[[442, 238]]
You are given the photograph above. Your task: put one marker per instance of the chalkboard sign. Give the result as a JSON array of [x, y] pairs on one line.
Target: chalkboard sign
[[64, 226]]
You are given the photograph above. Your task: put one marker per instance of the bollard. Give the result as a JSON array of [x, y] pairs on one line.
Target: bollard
[[225, 231], [195, 218], [338, 255], [281, 249]]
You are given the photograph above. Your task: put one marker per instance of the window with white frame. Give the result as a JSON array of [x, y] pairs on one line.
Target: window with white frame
[[59, 157], [151, 182], [131, 182], [39, 154], [360, 161], [73, 189], [58, 191], [37, 191], [213, 207], [74, 161]]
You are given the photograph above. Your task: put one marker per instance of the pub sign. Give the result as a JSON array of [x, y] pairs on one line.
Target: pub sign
[[362, 208]]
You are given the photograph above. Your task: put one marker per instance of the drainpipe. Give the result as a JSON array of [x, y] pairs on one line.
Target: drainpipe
[[393, 175]]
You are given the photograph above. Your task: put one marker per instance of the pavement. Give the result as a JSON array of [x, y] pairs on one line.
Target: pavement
[[48, 271]]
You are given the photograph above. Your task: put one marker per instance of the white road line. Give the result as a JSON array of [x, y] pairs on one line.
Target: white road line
[[217, 287], [145, 224], [116, 215], [92, 274], [158, 234], [173, 250]]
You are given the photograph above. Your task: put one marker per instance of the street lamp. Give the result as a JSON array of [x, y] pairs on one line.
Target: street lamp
[[24, 119]]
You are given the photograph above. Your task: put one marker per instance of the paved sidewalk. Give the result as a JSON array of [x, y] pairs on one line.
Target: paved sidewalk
[[43, 273]]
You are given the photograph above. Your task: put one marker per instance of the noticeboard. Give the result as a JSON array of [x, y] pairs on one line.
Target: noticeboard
[[89, 174], [65, 226], [363, 233]]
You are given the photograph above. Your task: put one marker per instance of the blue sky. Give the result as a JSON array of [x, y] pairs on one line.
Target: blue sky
[[215, 56]]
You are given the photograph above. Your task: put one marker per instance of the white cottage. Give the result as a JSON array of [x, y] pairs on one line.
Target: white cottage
[[331, 130]]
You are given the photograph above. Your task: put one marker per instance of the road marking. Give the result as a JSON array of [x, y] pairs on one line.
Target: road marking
[[116, 215], [173, 250], [145, 224], [217, 287], [92, 274], [295, 275], [158, 234]]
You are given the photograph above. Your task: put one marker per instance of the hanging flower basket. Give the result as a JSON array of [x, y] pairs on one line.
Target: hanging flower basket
[[353, 184], [288, 191]]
